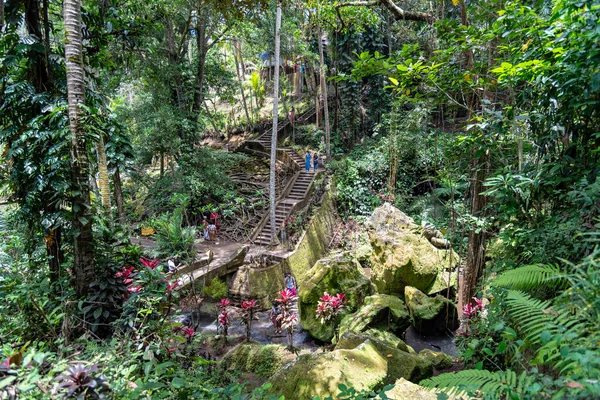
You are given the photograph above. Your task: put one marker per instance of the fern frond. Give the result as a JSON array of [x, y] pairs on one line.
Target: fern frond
[[473, 380], [530, 277]]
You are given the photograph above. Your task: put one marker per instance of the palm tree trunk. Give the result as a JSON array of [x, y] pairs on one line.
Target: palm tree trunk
[[119, 195], [103, 172], [272, 193], [324, 93], [83, 256]]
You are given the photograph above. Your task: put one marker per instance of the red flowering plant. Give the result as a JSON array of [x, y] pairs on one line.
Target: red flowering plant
[[287, 319], [223, 324], [472, 313], [329, 308], [249, 308], [152, 264]]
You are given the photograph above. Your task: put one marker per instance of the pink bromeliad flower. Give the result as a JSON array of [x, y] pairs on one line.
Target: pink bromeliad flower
[[125, 273], [330, 306], [224, 319], [188, 330], [134, 289], [286, 296], [150, 263], [249, 305], [223, 303], [172, 285]]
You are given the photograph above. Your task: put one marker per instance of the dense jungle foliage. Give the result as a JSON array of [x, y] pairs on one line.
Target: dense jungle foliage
[[478, 117]]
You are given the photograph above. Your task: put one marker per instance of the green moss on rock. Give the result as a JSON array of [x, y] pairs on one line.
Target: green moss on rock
[[406, 390], [320, 374], [402, 256], [262, 284], [429, 315], [313, 244], [337, 274], [263, 360], [400, 363], [438, 359], [380, 311]]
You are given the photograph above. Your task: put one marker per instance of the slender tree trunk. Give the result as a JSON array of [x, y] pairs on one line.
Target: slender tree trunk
[[324, 94], [476, 244], [53, 242], [201, 45], [1, 15], [238, 60], [119, 195], [162, 164], [83, 256], [103, 172], [272, 193]]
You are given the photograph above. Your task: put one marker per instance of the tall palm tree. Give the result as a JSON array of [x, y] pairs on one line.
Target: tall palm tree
[[272, 193], [83, 257], [324, 93]]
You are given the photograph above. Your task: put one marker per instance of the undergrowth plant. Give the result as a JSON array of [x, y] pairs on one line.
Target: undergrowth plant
[[535, 347]]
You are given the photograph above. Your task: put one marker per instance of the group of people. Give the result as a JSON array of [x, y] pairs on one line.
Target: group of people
[[315, 161], [290, 284], [210, 229]]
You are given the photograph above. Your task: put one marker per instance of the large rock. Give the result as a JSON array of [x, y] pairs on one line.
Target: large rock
[[431, 315], [380, 311], [261, 284], [320, 374], [337, 274], [438, 359], [402, 255], [406, 390], [264, 360], [400, 363], [366, 364]]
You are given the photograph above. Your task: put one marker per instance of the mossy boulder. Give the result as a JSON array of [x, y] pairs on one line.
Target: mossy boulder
[[406, 390], [438, 359], [380, 311], [366, 364], [400, 363], [320, 374], [263, 360], [431, 315], [389, 338], [337, 274], [402, 256], [262, 284]]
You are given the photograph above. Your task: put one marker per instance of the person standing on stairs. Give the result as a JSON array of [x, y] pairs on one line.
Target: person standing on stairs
[[307, 165], [315, 161]]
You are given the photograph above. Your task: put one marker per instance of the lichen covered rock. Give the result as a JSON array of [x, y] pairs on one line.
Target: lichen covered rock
[[402, 255], [358, 361], [320, 374], [438, 359], [400, 363], [406, 390], [264, 360], [337, 274], [261, 284], [430, 315], [380, 311]]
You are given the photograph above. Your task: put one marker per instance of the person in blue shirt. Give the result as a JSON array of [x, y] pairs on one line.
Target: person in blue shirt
[[307, 165]]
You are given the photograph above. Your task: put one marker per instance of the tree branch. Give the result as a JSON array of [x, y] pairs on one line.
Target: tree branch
[[397, 12]]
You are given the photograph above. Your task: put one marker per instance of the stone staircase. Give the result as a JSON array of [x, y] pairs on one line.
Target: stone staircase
[[286, 206]]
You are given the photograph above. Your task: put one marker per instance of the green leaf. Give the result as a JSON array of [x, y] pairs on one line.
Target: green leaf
[[178, 382], [97, 312], [7, 381], [393, 80]]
